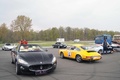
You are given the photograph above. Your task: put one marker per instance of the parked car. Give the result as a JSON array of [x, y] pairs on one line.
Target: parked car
[[59, 45], [99, 49], [32, 59], [80, 53], [8, 46], [76, 40]]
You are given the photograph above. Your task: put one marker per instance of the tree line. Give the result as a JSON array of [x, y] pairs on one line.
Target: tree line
[[21, 28]]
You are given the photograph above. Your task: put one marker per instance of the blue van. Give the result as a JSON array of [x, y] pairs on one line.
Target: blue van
[[100, 38]]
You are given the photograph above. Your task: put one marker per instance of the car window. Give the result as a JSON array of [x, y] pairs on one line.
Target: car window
[[77, 49], [8, 44], [59, 43], [30, 48], [72, 47], [84, 47]]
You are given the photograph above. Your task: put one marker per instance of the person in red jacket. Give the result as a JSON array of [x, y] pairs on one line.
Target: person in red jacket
[[25, 42], [21, 41]]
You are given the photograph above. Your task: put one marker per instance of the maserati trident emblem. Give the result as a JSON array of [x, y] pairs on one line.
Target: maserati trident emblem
[[40, 62], [41, 67]]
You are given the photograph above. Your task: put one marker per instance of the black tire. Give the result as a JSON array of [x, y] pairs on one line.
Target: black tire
[[78, 59], [12, 61], [61, 55], [58, 47], [2, 49], [53, 46], [18, 72], [111, 51], [100, 51]]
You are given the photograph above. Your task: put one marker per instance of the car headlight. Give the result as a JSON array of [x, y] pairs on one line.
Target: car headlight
[[22, 61], [54, 60]]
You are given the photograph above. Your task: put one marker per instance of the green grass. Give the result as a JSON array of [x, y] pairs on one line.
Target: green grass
[[1, 45], [50, 43]]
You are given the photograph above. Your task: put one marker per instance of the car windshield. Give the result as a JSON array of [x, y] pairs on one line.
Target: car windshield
[[30, 48], [60, 43], [8, 44], [86, 47]]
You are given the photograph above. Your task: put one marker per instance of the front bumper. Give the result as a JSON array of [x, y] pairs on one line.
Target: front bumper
[[37, 69], [8, 48]]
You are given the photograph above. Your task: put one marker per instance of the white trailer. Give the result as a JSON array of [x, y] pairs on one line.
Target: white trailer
[[60, 40]]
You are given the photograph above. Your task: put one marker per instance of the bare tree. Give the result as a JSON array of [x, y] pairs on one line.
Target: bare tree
[[4, 33], [23, 25]]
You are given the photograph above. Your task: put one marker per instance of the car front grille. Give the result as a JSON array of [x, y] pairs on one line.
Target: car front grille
[[40, 67]]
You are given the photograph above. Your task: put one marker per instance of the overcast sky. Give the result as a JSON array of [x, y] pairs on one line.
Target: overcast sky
[[93, 14]]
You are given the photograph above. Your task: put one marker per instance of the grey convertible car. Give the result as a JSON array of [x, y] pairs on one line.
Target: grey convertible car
[[32, 59]]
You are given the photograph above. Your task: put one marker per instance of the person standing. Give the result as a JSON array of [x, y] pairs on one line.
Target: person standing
[[25, 42], [105, 45], [21, 41]]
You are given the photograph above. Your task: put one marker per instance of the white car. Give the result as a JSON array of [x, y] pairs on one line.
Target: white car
[[99, 48], [77, 40], [8, 46]]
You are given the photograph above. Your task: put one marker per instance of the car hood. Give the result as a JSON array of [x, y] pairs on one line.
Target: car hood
[[36, 58]]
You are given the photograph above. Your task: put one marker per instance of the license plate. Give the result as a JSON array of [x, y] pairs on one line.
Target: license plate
[[96, 58], [40, 72]]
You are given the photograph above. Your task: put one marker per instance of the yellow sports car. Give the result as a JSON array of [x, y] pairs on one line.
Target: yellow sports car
[[80, 53]]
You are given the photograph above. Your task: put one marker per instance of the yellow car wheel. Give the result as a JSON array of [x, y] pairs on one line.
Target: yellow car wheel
[[61, 55], [78, 58]]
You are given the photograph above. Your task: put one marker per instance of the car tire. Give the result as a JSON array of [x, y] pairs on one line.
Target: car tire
[[12, 56], [12, 61], [66, 47], [58, 47], [55, 46], [2, 49], [78, 59], [61, 55], [18, 72], [100, 51]]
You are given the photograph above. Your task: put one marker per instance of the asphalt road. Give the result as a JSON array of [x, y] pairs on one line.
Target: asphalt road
[[108, 68]]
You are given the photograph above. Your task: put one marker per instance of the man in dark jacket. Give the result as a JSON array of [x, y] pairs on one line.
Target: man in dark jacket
[[105, 45]]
